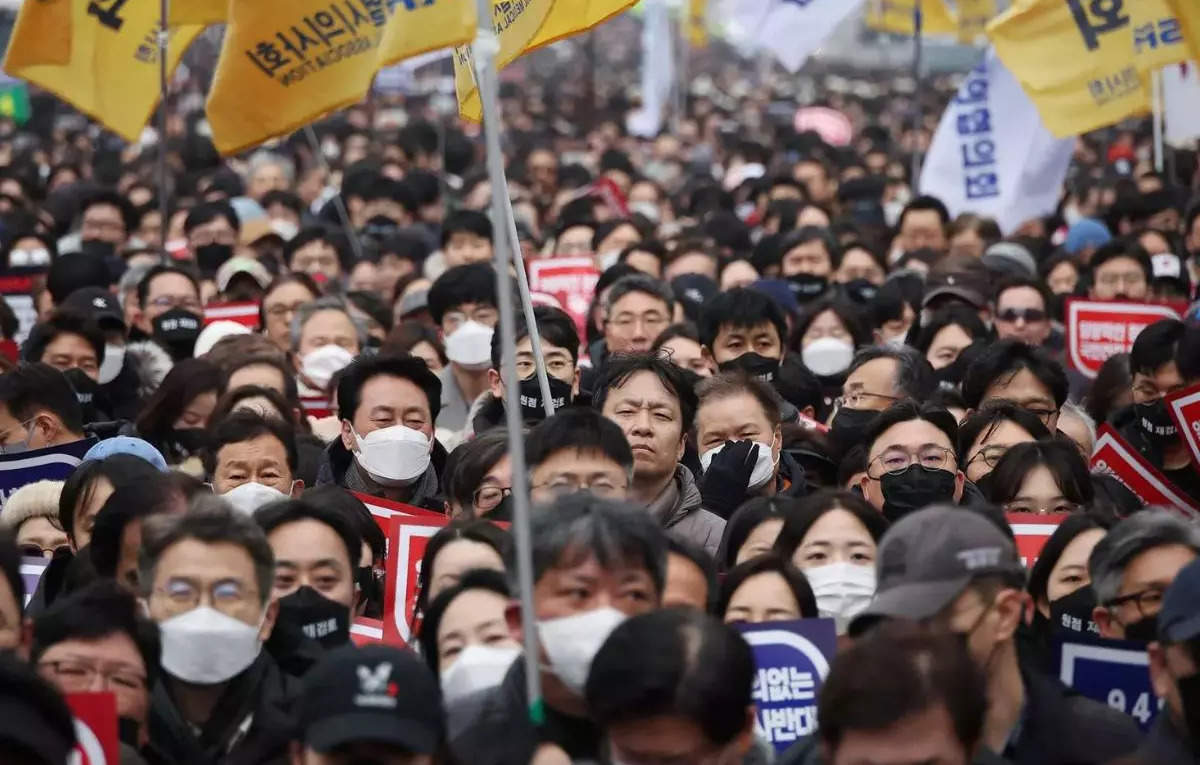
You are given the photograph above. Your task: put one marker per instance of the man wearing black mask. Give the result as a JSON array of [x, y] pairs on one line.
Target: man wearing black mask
[[1131, 568], [212, 231], [911, 462], [170, 309], [1175, 674], [877, 378], [105, 220], [807, 259]]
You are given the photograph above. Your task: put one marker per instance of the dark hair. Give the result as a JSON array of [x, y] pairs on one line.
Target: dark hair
[[699, 558], [150, 495], [113, 199], [97, 611], [143, 287], [431, 617], [30, 387], [231, 398], [64, 323], [924, 202], [763, 564], [1072, 526], [621, 367], [188, 379], [312, 234], [797, 524], [649, 246], [736, 383], [470, 283], [370, 303], [914, 376], [1187, 356], [363, 368], [579, 429], [287, 511], [673, 662], [66, 275], [982, 422], [907, 411], [553, 325], [10, 565], [285, 278], [1002, 360], [896, 671], [1028, 282], [41, 708], [739, 308], [806, 234], [119, 469], [746, 519], [335, 497], [408, 334], [207, 212], [468, 221], [641, 283], [242, 426], [1061, 458], [952, 315], [1112, 381], [1155, 346], [483, 532], [1121, 248], [469, 462], [846, 312], [285, 198], [888, 303]]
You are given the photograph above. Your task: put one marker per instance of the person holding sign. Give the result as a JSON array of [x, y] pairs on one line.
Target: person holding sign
[[1175, 673]]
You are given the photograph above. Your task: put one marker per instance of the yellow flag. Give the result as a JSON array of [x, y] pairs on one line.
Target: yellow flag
[[516, 23], [697, 26], [205, 12], [1075, 109], [427, 27], [1188, 13], [973, 18], [896, 17], [42, 35], [112, 71]]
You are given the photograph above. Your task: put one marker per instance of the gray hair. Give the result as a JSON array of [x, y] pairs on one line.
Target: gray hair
[[1142, 531], [210, 520], [263, 158], [132, 278], [1071, 409], [639, 283], [326, 303], [578, 526], [914, 375]]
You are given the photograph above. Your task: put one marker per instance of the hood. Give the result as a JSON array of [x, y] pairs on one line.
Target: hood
[[152, 364]]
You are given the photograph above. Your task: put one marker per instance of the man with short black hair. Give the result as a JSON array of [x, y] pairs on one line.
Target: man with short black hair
[[911, 459], [578, 450], [636, 310], [165, 289], [877, 378], [463, 304], [744, 329], [316, 251], [105, 217], [1019, 373], [212, 231], [252, 460], [466, 238], [1022, 310], [67, 340], [38, 408], [1120, 270], [922, 225]]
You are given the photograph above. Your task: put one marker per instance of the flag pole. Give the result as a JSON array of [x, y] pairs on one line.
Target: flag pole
[[1156, 101], [918, 52], [486, 47], [163, 84], [339, 204]]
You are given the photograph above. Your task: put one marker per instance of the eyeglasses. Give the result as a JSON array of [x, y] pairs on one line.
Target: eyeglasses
[[1042, 414], [31, 550], [280, 310], [569, 484], [989, 454], [1148, 601], [858, 399], [1052, 509], [1030, 315], [184, 594], [489, 497], [174, 301], [75, 675], [897, 460], [1137, 279], [651, 321]]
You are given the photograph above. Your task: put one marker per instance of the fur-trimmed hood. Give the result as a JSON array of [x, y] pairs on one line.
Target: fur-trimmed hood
[[152, 364]]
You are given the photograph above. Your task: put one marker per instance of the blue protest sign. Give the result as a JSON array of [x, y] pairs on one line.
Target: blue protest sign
[[1113, 672], [54, 463], [791, 662], [31, 573]]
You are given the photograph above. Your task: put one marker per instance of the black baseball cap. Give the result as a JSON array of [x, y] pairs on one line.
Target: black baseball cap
[[929, 557], [1179, 619], [98, 303], [374, 694]]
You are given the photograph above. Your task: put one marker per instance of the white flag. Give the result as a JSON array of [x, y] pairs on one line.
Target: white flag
[[992, 155], [1181, 104], [789, 29], [658, 70]]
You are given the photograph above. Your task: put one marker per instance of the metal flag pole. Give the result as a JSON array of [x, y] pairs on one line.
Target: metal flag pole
[[1156, 100], [339, 204], [163, 84], [918, 52], [486, 47]]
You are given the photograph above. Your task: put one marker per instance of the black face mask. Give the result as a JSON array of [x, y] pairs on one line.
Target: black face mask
[[97, 248], [849, 426], [532, 409], [1189, 696], [188, 441], [1144, 630], [128, 731], [502, 512], [1058, 306], [317, 616], [807, 287], [915, 488], [860, 291], [91, 398], [370, 588], [176, 331], [210, 257], [756, 365], [1073, 612], [1155, 422]]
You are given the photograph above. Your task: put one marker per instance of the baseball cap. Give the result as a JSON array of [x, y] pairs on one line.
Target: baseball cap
[[376, 694], [98, 303], [1179, 619], [929, 557], [1086, 233], [780, 291], [692, 290], [235, 266], [1166, 265], [255, 230], [127, 445], [970, 287]]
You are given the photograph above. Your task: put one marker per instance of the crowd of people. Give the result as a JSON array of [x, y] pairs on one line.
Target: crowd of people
[[799, 390]]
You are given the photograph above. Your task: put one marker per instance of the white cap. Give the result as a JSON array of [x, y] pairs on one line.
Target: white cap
[[209, 336], [1166, 266]]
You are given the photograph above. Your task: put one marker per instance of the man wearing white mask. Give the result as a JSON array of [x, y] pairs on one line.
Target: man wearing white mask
[[207, 578], [252, 461], [325, 338], [596, 562], [387, 407], [463, 304]]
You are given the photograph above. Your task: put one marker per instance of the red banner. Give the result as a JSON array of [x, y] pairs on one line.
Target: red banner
[[1113, 455], [243, 313], [570, 281], [1031, 531], [95, 728], [1100, 329], [406, 549], [1184, 407], [316, 406]]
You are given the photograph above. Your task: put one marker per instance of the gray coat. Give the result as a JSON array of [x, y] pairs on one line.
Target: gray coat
[[678, 510]]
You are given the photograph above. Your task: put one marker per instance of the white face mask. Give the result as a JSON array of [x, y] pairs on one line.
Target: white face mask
[[893, 342], [571, 642], [827, 356], [764, 466], [320, 365], [843, 590], [250, 496], [21, 258], [206, 647], [477, 668], [393, 456], [114, 360], [470, 345]]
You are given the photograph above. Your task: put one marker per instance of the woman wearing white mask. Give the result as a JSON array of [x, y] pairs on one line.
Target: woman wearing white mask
[[463, 304], [465, 638], [833, 538], [828, 333]]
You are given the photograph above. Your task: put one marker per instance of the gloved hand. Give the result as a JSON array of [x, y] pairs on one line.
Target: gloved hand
[[724, 487]]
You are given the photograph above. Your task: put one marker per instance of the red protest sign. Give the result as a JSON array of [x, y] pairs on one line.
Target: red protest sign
[[316, 406], [1184, 407], [366, 631], [570, 281], [386, 508], [95, 728], [406, 549], [1100, 329], [1031, 531], [1113, 455], [243, 313]]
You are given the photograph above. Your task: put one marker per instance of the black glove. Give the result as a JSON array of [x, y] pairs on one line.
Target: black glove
[[728, 475]]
